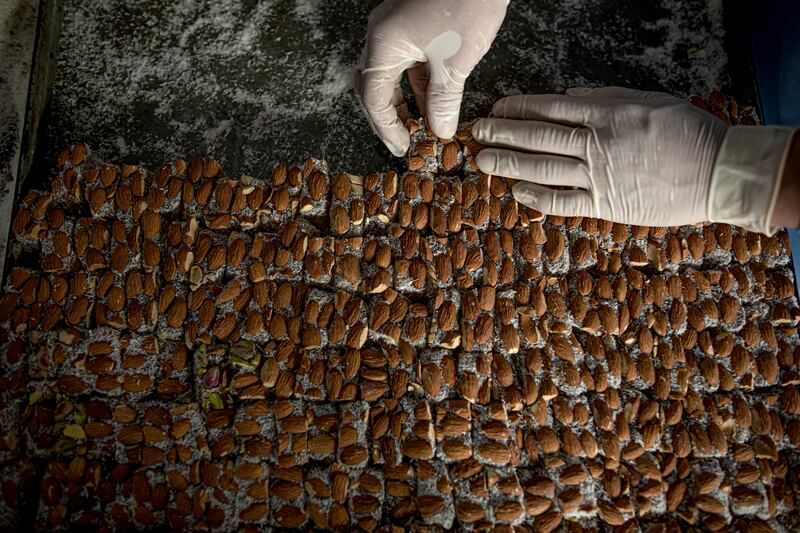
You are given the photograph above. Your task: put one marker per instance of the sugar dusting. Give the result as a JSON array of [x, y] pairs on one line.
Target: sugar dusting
[[217, 73], [707, 62], [257, 83]]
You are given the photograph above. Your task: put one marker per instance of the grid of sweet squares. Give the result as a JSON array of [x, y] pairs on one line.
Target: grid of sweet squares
[[322, 350]]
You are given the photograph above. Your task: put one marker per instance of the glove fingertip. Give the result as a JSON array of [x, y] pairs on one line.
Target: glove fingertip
[[443, 106], [397, 139], [498, 109], [525, 193], [521, 189], [397, 150], [478, 130], [444, 128], [486, 161]]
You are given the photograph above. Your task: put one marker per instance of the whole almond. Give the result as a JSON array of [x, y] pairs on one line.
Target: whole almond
[[450, 154]]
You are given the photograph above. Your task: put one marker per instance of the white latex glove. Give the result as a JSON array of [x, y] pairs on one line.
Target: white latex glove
[[439, 42], [633, 157]]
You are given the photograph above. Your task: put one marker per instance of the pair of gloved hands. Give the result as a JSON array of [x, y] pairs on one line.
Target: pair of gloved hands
[[628, 156]]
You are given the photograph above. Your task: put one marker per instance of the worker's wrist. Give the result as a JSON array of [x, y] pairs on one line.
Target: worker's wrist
[[787, 208], [747, 176]]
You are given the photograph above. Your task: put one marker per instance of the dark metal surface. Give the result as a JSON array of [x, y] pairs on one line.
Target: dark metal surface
[[25, 79], [259, 82], [34, 143]]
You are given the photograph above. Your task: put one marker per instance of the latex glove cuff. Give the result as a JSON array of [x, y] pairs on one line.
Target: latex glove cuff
[[747, 176]]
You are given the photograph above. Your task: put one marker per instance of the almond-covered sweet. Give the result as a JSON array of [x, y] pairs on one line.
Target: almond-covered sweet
[[317, 349]]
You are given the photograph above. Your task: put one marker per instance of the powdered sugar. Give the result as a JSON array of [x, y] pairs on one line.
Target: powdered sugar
[[257, 83]]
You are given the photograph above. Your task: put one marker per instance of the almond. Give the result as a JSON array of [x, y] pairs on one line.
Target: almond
[[340, 220], [469, 512], [417, 449], [554, 247], [151, 223], [450, 154]]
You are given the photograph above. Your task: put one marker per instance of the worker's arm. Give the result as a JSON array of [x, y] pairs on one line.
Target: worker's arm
[[438, 42], [787, 209], [636, 157]]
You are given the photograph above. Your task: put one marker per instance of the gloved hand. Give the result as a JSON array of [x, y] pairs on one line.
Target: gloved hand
[[439, 42], [635, 157]]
